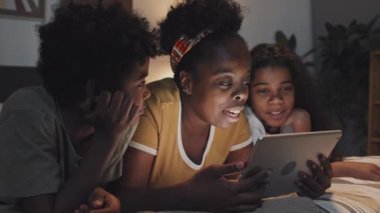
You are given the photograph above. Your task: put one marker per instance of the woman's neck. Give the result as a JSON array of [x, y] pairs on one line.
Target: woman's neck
[[195, 134]]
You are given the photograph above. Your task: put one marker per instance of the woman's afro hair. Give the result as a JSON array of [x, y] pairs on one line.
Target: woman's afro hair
[[192, 16]]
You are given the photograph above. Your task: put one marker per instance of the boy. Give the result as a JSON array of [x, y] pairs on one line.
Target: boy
[[59, 141]]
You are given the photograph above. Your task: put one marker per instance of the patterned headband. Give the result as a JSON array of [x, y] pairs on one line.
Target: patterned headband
[[183, 45]]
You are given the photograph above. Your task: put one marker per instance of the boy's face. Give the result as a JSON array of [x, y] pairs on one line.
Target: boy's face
[[220, 86], [272, 95], [134, 86]]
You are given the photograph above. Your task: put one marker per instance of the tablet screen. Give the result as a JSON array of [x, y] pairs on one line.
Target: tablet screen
[[287, 154]]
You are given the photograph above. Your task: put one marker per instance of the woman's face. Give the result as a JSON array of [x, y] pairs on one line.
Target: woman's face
[[219, 88], [272, 95]]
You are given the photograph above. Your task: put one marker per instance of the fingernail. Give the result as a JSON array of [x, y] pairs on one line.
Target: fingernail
[[240, 165]]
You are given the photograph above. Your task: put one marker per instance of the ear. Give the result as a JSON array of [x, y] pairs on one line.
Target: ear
[[186, 81]]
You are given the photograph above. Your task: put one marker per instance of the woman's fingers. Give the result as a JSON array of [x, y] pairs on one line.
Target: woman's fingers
[[326, 165], [217, 171], [254, 182]]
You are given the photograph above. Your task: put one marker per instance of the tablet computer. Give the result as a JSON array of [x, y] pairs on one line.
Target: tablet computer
[[287, 154]]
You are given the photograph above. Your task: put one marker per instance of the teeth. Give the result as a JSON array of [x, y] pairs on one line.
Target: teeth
[[235, 111], [275, 113]]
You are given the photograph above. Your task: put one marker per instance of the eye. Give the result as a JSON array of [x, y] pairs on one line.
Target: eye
[[263, 91], [287, 89], [225, 84], [141, 84]]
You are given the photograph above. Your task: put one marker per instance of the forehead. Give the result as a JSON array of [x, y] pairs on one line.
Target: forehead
[[138, 70], [226, 56], [272, 74]]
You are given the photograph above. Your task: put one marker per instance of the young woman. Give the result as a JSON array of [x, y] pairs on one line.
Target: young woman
[[192, 133], [60, 141], [282, 99]]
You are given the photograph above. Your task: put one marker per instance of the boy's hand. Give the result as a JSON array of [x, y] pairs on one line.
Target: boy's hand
[[101, 201], [210, 190], [315, 185], [114, 113]]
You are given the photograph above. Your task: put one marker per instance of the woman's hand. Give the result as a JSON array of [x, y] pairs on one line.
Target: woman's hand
[[360, 170], [210, 190], [315, 185], [100, 201]]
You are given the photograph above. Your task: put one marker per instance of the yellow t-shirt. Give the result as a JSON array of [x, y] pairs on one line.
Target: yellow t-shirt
[[159, 134]]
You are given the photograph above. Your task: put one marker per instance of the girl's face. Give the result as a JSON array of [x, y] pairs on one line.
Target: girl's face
[[219, 88], [272, 95]]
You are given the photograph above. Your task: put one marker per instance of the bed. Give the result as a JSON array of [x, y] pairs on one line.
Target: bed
[[352, 195], [345, 195]]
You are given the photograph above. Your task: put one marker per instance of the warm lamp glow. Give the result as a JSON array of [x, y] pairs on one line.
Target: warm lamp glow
[[159, 68]]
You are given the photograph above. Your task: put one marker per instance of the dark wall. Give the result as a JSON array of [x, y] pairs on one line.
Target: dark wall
[[343, 12], [12, 78], [340, 12]]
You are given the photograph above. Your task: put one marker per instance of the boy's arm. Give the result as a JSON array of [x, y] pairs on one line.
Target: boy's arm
[[110, 123], [78, 187], [41, 204]]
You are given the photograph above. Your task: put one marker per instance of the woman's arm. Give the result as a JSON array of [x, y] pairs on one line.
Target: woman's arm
[[240, 155], [208, 190]]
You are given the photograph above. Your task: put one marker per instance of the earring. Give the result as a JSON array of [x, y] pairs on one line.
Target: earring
[[186, 91]]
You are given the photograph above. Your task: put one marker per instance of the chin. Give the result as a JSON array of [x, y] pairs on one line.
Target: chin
[[224, 124]]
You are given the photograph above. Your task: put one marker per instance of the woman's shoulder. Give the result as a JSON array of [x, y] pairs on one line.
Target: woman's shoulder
[[299, 120], [300, 114]]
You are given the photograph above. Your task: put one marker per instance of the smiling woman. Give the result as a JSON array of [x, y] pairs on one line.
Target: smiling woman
[[193, 133]]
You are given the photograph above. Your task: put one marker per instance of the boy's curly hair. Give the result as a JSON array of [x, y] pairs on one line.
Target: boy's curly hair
[[86, 42], [192, 17], [306, 97]]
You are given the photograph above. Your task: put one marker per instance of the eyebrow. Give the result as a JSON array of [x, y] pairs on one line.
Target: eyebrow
[[265, 83], [144, 75], [222, 71]]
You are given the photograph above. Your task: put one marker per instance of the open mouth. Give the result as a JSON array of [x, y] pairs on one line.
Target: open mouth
[[233, 113], [277, 114]]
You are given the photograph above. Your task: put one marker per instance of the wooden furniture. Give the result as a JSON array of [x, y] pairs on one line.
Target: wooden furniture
[[374, 105]]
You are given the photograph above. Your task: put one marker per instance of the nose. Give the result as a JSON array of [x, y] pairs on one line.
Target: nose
[[146, 94], [241, 94], [276, 98]]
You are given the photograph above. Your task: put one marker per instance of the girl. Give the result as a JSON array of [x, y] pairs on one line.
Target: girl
[[192, 134], [61, 140], [282, 100]]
